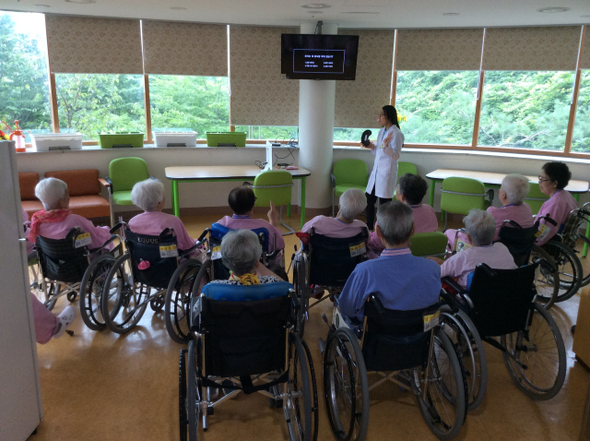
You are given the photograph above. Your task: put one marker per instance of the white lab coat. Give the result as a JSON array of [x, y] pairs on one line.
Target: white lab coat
[[384, 174]]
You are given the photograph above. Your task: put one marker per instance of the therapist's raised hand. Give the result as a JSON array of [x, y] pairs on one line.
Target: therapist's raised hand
[[370, 146], [273, 215]]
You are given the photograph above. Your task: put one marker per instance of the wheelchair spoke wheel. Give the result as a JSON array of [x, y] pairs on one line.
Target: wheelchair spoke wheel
[[535, 357], [202, 278], [462, 332], [298, 406], [569, 270], [125, 303], [302, 290], [178, 300], [157, 303], [91, 289], [194, 392], [441, 389], [182, 389], [546, 277], [346, 386], [586, 276]]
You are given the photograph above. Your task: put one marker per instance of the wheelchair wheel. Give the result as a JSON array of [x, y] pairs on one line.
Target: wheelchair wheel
[[91, 289], [586, 277], [302, 290], [441, 389], [182, 412], [298, 403], [535, 357], [202, 278], [157, 303], [123, 310], [71, 296], [52, 289], [194, 393], [36, 279], [178, 298], [464, 335], [568, 267], [346, 386], [546, 277], [314, 392]]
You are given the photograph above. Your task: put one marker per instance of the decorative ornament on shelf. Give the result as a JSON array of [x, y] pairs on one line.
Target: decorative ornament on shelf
[[15, 135]]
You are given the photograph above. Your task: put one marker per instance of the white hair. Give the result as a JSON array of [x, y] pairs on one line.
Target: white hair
[[516, 187], [481, 226], [50, 191], [147, 194], [352, 203], [240, 250], [395, 221]]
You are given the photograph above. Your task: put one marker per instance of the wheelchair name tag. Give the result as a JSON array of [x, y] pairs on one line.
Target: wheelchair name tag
[[430, 320], [357, 250], [168, 251], [542, 232], [82, 240], [216, 253]]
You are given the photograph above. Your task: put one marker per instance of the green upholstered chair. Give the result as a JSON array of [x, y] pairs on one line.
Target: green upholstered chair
[[429, 244], [275, 186], [124, 173], [406, 167], [459, 195], [535, 198], [348, 173]]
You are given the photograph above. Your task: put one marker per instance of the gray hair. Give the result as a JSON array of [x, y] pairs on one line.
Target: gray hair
[[395, 220], [516, 187], [352, 203], [240, 250], [481, 226], [50, 191], [147, 194]]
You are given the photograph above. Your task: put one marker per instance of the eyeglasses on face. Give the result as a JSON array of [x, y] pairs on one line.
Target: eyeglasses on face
[[542, 179]]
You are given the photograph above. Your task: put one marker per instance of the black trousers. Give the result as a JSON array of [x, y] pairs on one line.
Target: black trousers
[[371, 201]]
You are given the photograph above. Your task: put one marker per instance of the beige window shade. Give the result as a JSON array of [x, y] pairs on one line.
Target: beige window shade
[[585, 62], [176, 48], [538, 48], [439, 49], [93, 45], [260, 94], [358, 102]]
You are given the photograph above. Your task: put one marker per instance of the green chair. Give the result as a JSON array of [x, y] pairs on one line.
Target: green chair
[[459, 195], [406, 167], [348, 173], [429, 244], [535, 198], [124, 173], [275, 186]]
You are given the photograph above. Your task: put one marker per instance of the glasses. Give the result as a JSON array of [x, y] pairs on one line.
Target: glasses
[[541, 179]]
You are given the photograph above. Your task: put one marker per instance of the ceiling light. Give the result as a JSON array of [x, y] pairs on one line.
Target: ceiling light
[[316, 6], [81, 2], [553, 9], [178, 8], [451, 14]]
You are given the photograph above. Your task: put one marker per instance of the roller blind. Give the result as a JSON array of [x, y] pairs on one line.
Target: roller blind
[[176, 48], [585, 62], [93, 45], [537, 48], [358, 102], [439, 49], [260, 94]]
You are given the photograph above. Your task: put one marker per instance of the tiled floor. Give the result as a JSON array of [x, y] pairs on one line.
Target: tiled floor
[[101, 386]]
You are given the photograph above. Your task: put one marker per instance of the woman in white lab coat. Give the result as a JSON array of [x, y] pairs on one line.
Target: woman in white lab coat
[[384, 174]]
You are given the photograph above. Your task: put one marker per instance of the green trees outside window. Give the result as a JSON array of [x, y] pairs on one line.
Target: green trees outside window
[[581, 135]]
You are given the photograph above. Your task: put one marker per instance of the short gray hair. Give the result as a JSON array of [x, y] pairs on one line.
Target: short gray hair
[[147, 194], [352, 203], [50, 191], [395, 220], [240, 250], [516, 187], [481, 226]]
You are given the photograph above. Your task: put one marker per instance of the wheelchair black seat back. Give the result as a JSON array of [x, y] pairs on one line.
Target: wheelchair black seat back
[[63, 260], [519, 241]]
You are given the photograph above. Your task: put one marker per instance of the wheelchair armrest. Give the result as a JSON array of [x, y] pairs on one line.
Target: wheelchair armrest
[[117, 226], [183, 253], [333, 180], [109, 184], [453, 284], [104, 245]]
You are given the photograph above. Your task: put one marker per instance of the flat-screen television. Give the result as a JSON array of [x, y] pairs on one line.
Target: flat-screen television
[[319, 57]]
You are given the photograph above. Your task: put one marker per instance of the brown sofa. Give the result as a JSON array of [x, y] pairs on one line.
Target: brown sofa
[[84, 187]]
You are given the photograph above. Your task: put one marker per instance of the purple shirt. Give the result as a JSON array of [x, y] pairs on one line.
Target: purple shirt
[[236, 222], [521, 214], [59, 230], [461, 264], [154, 222], [558, 207], [333, 227]]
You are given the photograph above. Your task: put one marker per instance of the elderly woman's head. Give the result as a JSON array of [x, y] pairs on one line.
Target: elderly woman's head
[[516, 187], [53, 193], [412, 188], [241, 199], [240, 250], [352, 203], [481, 227], [556, 173], [395, 221], [148, 194]]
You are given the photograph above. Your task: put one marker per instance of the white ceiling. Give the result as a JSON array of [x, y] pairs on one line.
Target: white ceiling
[[379, 14]]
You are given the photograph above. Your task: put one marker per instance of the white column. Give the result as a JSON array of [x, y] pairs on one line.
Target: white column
[[316, 130]]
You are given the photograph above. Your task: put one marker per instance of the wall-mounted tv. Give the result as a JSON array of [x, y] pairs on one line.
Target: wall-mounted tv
[[319, 57]]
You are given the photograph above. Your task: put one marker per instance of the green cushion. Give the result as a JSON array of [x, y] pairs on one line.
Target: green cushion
[[428, 244], [462, 203], [122, 198]]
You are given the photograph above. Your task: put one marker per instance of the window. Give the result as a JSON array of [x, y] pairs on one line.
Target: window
[[95, 103], [581, 136], [348, 134], [272, 133], [525, 109], [189, 103], [24, 83], [439, 106]]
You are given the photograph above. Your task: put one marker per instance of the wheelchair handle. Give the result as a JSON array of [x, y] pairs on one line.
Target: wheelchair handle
[[203, 235], [512, 223], [547, 219], [117, 226]]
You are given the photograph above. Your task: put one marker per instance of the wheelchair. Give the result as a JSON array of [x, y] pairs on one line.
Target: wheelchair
[[245, 341], [409, 348], [502, 307], [142, 276], [326, 263]]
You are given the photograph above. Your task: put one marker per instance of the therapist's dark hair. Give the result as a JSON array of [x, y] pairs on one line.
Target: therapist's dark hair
[[391, 115], [241, 199]]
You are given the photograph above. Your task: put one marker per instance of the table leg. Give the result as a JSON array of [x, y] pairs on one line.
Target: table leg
[[432, 185], [303, 182], [175, 198]]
